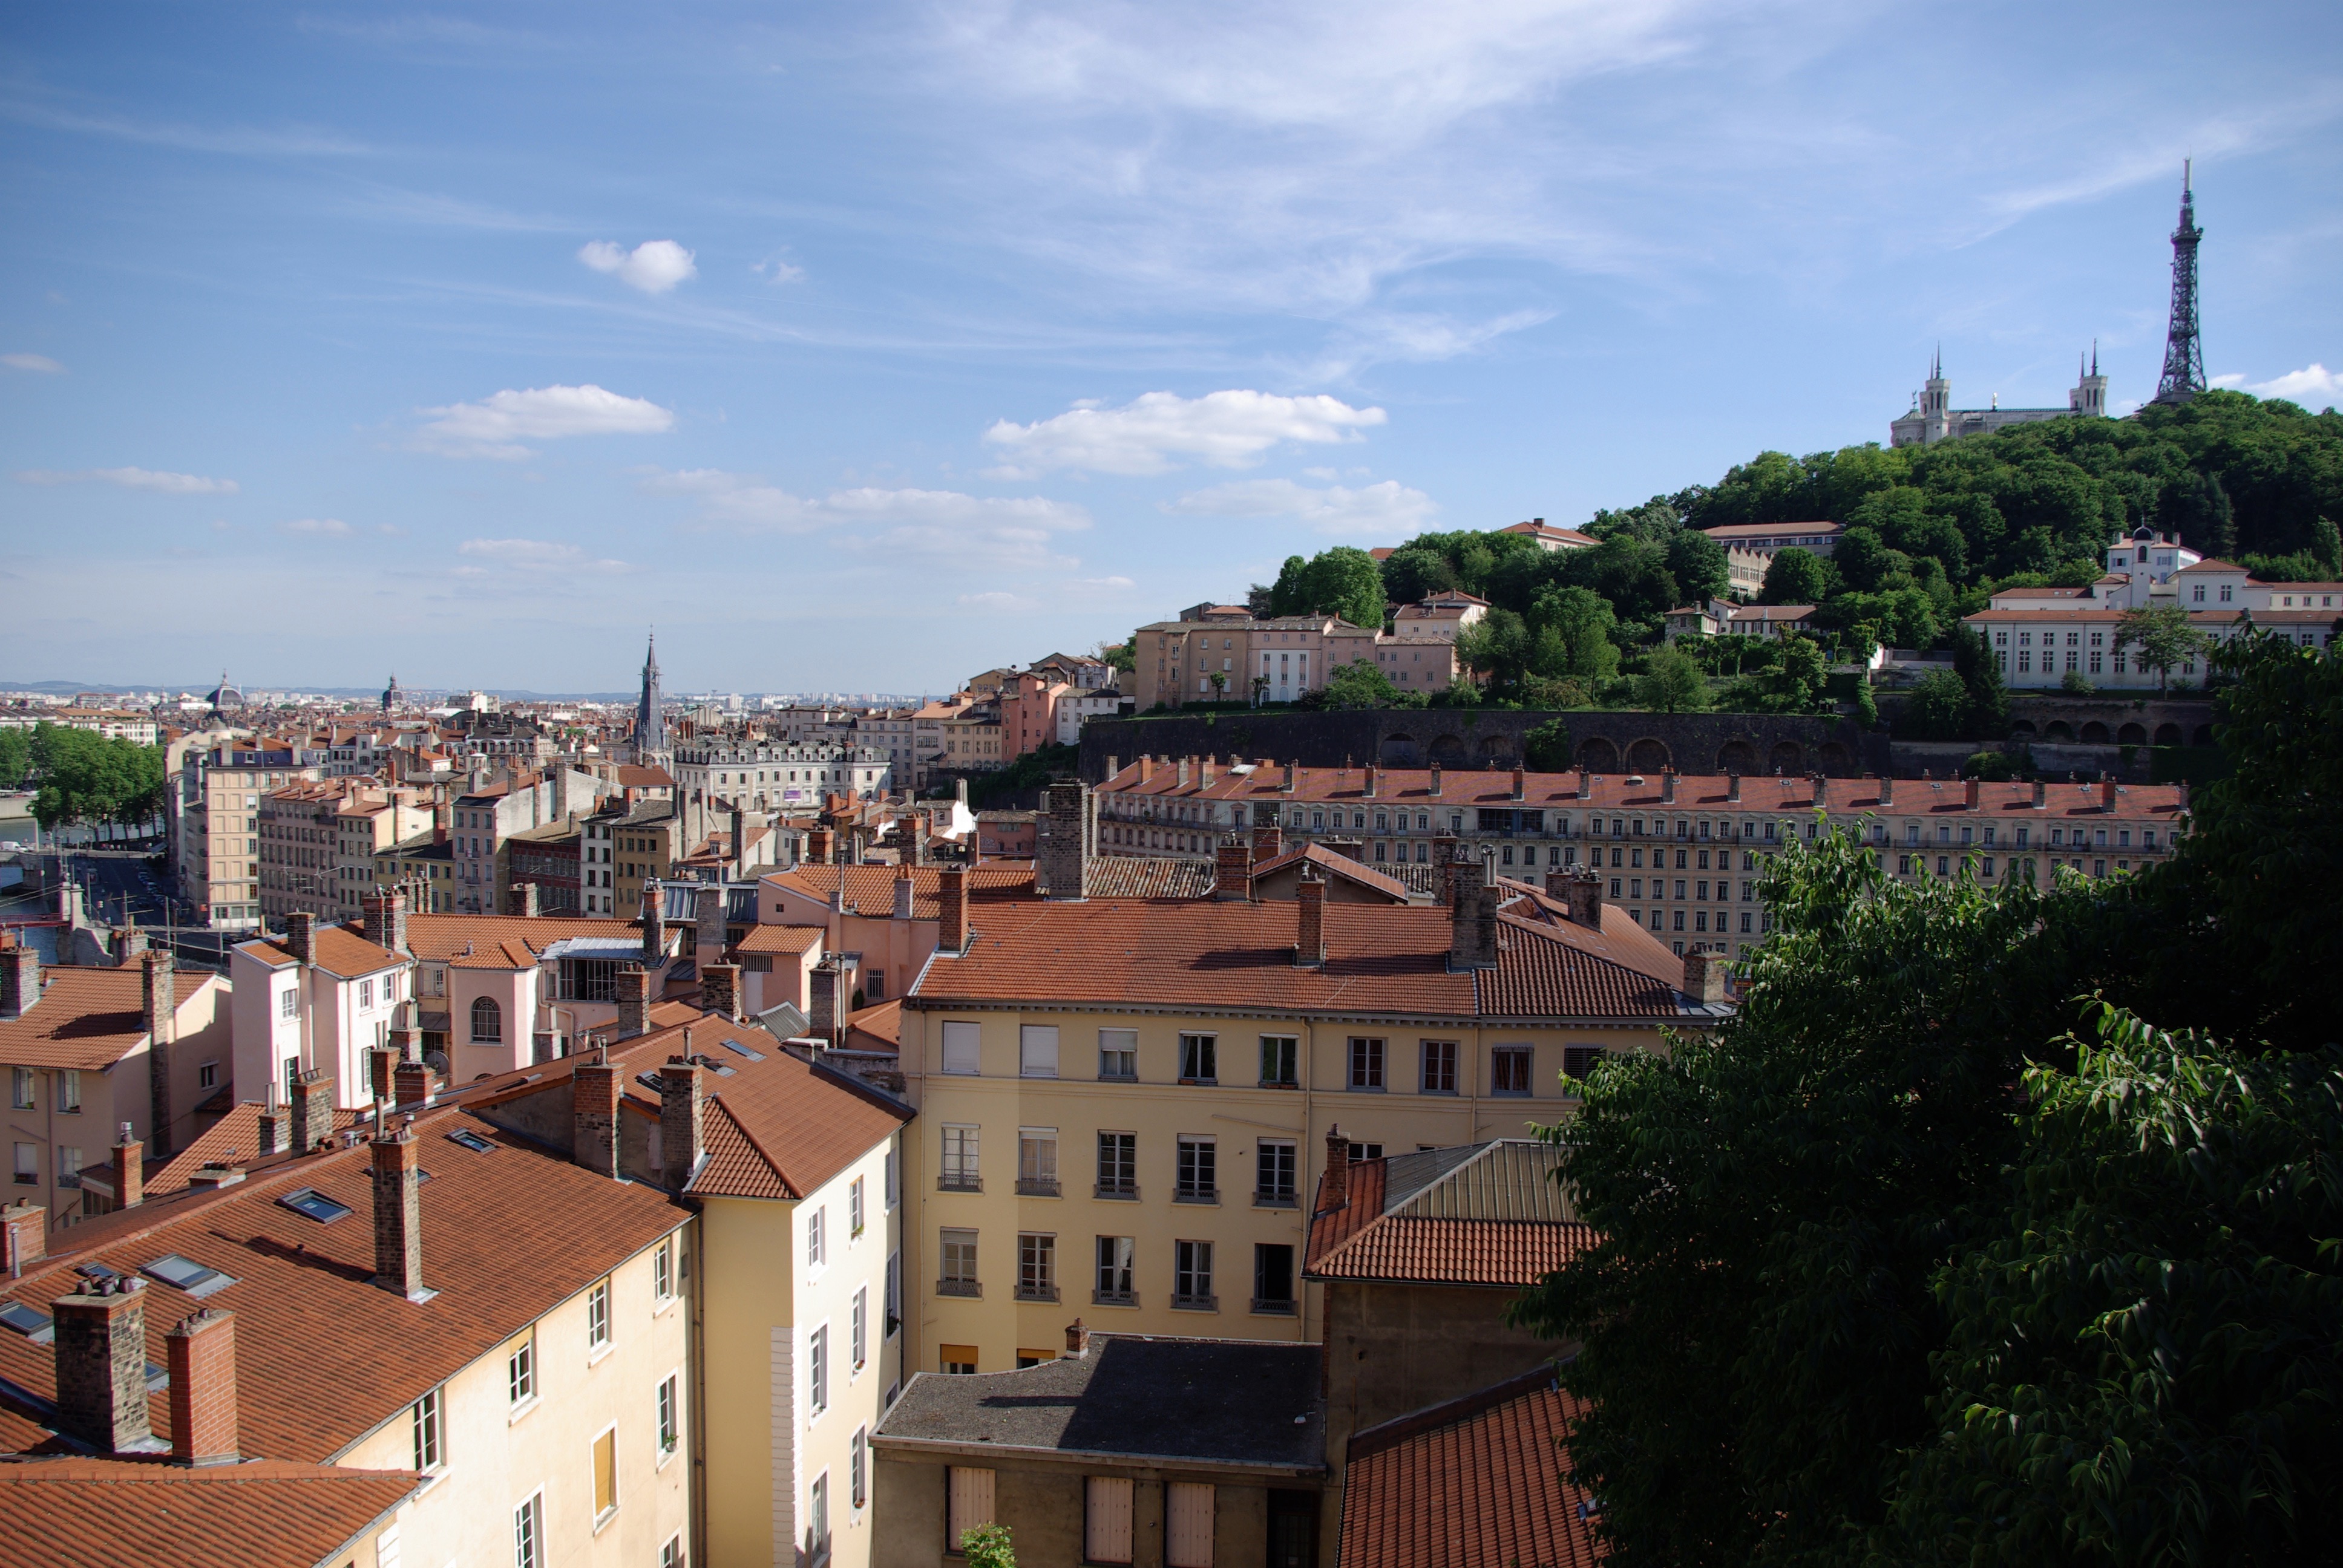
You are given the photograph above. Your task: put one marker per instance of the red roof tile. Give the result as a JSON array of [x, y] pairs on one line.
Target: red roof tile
[[1360, 1241], [87, 1018], [337, 950], [79, 1513]]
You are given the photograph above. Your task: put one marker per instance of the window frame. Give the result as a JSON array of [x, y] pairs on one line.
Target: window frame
[[1436, 1066], [1526, 1055], [1368, 1060], [428, 1430], [1200, 1058], [1281, 1061], [600, 1336], [1194, 1155]]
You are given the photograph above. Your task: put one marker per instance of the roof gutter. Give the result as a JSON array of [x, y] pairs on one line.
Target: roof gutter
[[943, 1447]]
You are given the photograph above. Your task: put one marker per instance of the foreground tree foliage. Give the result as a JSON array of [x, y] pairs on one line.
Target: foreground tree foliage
[[1899, 1269]]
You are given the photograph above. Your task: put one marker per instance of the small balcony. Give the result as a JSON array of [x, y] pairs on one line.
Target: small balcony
[[1034, 1187], [1211, 1195], [1273, 1309], [958, 1184], [1276, 1201], [1195, 1303], [968, 1288]]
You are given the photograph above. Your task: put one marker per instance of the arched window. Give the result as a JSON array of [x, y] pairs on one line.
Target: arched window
[[487, 1023]]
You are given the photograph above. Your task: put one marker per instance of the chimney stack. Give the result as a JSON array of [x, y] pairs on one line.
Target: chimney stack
[[1887, 790], [708, 930], [201, 1349], [654, 923], [1375, 778], [914, 850], [1062, 841], [1521, 784], [274, 1126], [1463, 913], [159, 993], [1969, 798], [520, 900], [1435, 778], [1293, 776], [101, 1366], [24, 1237], [1703, 977], [411, 1082], [1583, 889], [20, 976], [1310, 904], [634, 1002], [818, 840], [1078, 1340], [1268, 843], [594, 1114], [680, 1125], [381, 1062], [1668, 786], [822, 1019], [739, 843], [1822, 790], [312, 1094], [720, 990], [2041, 794], [1443, 869], [301, 935], [1338, 1171], [1586, 783], [1146, 766], [129, 1169], [1233, 871], [1733, 789], [2107, 792], [399, 1214], [951, 926], [905, 892], [385, 920]]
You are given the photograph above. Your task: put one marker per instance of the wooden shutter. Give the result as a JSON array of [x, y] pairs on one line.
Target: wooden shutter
[[1187, 1525], [971, 1501], [606, 1472], [1106, 1520]]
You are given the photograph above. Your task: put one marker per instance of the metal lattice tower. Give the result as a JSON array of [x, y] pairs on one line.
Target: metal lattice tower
[[2184, 356]]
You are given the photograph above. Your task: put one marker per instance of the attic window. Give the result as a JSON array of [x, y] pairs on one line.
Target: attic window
[[30, 1322], [471, 1140], [735, 1047], [186, 1274], [97, 1272], [316, 1205]]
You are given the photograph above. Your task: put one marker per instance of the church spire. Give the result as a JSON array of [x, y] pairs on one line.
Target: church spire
[[650, 709]]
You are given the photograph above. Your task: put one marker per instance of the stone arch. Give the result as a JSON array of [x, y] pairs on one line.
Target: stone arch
[[1736, 757], [2204, 735], [2168, 735], [2060, 730], [2095, 733], [1398, 751], [1448, 748], [2132, 735], [1835, 761], [1649, 755], [1788, 758], [1597, 754], [1496, 746], [2023, 730]]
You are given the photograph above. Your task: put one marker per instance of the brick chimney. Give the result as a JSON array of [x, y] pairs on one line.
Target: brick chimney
[[822, 1011], [1583, 891], [1375, 778], [274, 1125], [24, 1237], [1887, 790], [951, 925], [201, 1351], [1293, 778], [301, 935], [1733, 789], [634, 1003], [1337, 1189], [905, 892], [1586, 783], [1146, 768], [101, 1364], [2041, 794], [680, 1120], [1822, 790], [1521, 784], [720, 990], [1233, 871], [817, 841], [914, 849], [399, 1214], [1061, 841], [1310, 904], [1473, 919], [740, 826], [1969, 797], [594, 1114], [1078, 1340], [129, 1169], [1668, 786], [2107, 792], [385, 920], [312, 1093], [1268, 843], [1703, 977], [1435, 778], [1444, 870], [159, 996], [20, 976], [654, 923], [708, 930], [411, 1082], [520, 900], [381, 1062]]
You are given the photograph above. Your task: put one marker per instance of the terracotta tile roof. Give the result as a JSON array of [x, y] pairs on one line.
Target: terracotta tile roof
[[1144, 877], [877, 1028], [77, 1512], [779, 939], [504, 942], [1380, 959], [870, 890], [236, 1135], [1486, 1487], [303, 1298], [1492, 1218], [88, 1018], [780, 1128], [337, 950], [1334, 864]]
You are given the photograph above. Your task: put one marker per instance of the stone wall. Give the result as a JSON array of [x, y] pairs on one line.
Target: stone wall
[[1609, 742]]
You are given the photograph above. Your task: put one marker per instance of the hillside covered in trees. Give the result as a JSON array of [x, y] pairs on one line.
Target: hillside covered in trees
[[1931, 532]]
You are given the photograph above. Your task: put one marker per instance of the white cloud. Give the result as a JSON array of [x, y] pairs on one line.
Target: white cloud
[[132, 479], [1230, 429], [1097, 585], [773, 269], [943, 529], [654, 267], [495, 426], [997, 601], [332, 528], [537, 555], [1389, 510], [2313, 387], [41, 363]]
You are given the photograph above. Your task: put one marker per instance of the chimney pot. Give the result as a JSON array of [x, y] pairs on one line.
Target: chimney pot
[[1078, 1340], [129, 1169], [201, 1349]]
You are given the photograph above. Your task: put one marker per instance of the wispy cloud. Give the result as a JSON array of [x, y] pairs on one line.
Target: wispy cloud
[[773, 269], [2314, 385], [40, 363], [655, 267], [1388, 510], [495, 426], [936, 527], [168, 483], [537, 555], [1152, 433], [998, 600], [324, 528], [242, 141]]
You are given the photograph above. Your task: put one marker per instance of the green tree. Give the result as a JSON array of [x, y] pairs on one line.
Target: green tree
[[1220, 683], [1697, 563], [1415, 572], [1984, 708], [16, 757], [1546, 748], [2164, 637], [1576, 629], [2327, 548], [1795, 576], [1937, 709], [988, 1546], [1360, 684], [1119, 655], [1671, 683], [1342, 581]]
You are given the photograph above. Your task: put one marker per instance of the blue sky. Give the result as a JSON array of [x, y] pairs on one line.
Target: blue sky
[[866, 347]]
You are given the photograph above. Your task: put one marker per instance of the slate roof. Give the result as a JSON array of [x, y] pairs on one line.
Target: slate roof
[[81, 1513], [1133, 1396], [1478, 1483], [86, 1018], [1476, 1214]]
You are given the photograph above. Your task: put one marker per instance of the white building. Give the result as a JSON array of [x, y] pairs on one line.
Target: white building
[[1933, 418]]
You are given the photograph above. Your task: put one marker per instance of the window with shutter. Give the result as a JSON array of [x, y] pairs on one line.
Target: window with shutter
[[1187, 1524], [1106, 1519], [1036, 1050], [970, 1501], [960, 1048]]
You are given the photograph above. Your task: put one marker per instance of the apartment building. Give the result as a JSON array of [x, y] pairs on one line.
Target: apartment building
[[423, 867], [1121, 1101], [318, 999], [2042, 636], [218, 816], [761, 775], [1290, 656], [318, 842], [624, 849], [972, 740], [89, 1052], [1750, 548], [429, 1381], [1705, 833], [480, 820]]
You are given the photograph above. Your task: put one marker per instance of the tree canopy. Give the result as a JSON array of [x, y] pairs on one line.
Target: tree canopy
[[82, 777]]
